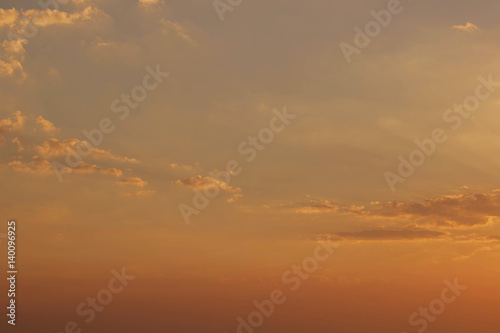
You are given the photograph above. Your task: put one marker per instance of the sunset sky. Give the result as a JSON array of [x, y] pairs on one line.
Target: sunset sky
[[174, 93]]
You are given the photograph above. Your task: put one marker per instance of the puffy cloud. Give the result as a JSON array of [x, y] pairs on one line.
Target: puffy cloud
[[14, 46], [11, 124], [353, 209], [24, 24], [449, 210], [135, 181], [469, 27], [205, 183], [105, 154], [11, 68], [8, 17], [458, 210], [45, 125], [85, 168], [12, 52], [312, 207], [18, 143], [112, 172], [48, 17], [54, 147], [38, 166], [47, 152]]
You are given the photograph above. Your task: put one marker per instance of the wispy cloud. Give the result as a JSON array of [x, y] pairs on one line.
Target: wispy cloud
[[469, 27], [203, 183]]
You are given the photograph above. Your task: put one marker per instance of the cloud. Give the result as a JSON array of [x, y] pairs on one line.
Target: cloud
[[468, 27], [11, 68], [145, 193], [408, 233], [12, 53], [48, 17], [355, 210], [473, 253], [112, 172], [148, 2], [312, 207], [24, 25], [174, 28], [206, 183], [8, 17], [44, 152], [37, 166], [45, 125], [105, 154], [448, 210], [135, 181], [185, 167], [42, 166], [11, 124], [54, 147], [458, 210], [18, 143]]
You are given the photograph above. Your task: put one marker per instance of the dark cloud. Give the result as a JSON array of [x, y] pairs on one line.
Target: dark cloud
[[391, 234]]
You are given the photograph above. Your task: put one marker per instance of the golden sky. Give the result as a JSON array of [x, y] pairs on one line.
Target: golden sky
[[206, 147]]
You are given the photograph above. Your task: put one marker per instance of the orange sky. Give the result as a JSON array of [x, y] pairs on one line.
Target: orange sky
[[205, 149]]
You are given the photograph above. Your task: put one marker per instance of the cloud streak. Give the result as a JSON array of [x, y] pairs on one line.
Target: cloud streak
[[381, 234], [468, 27], [203, 183]]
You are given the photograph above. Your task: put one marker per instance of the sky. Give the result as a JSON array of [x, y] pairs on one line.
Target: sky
[[218, 152]]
